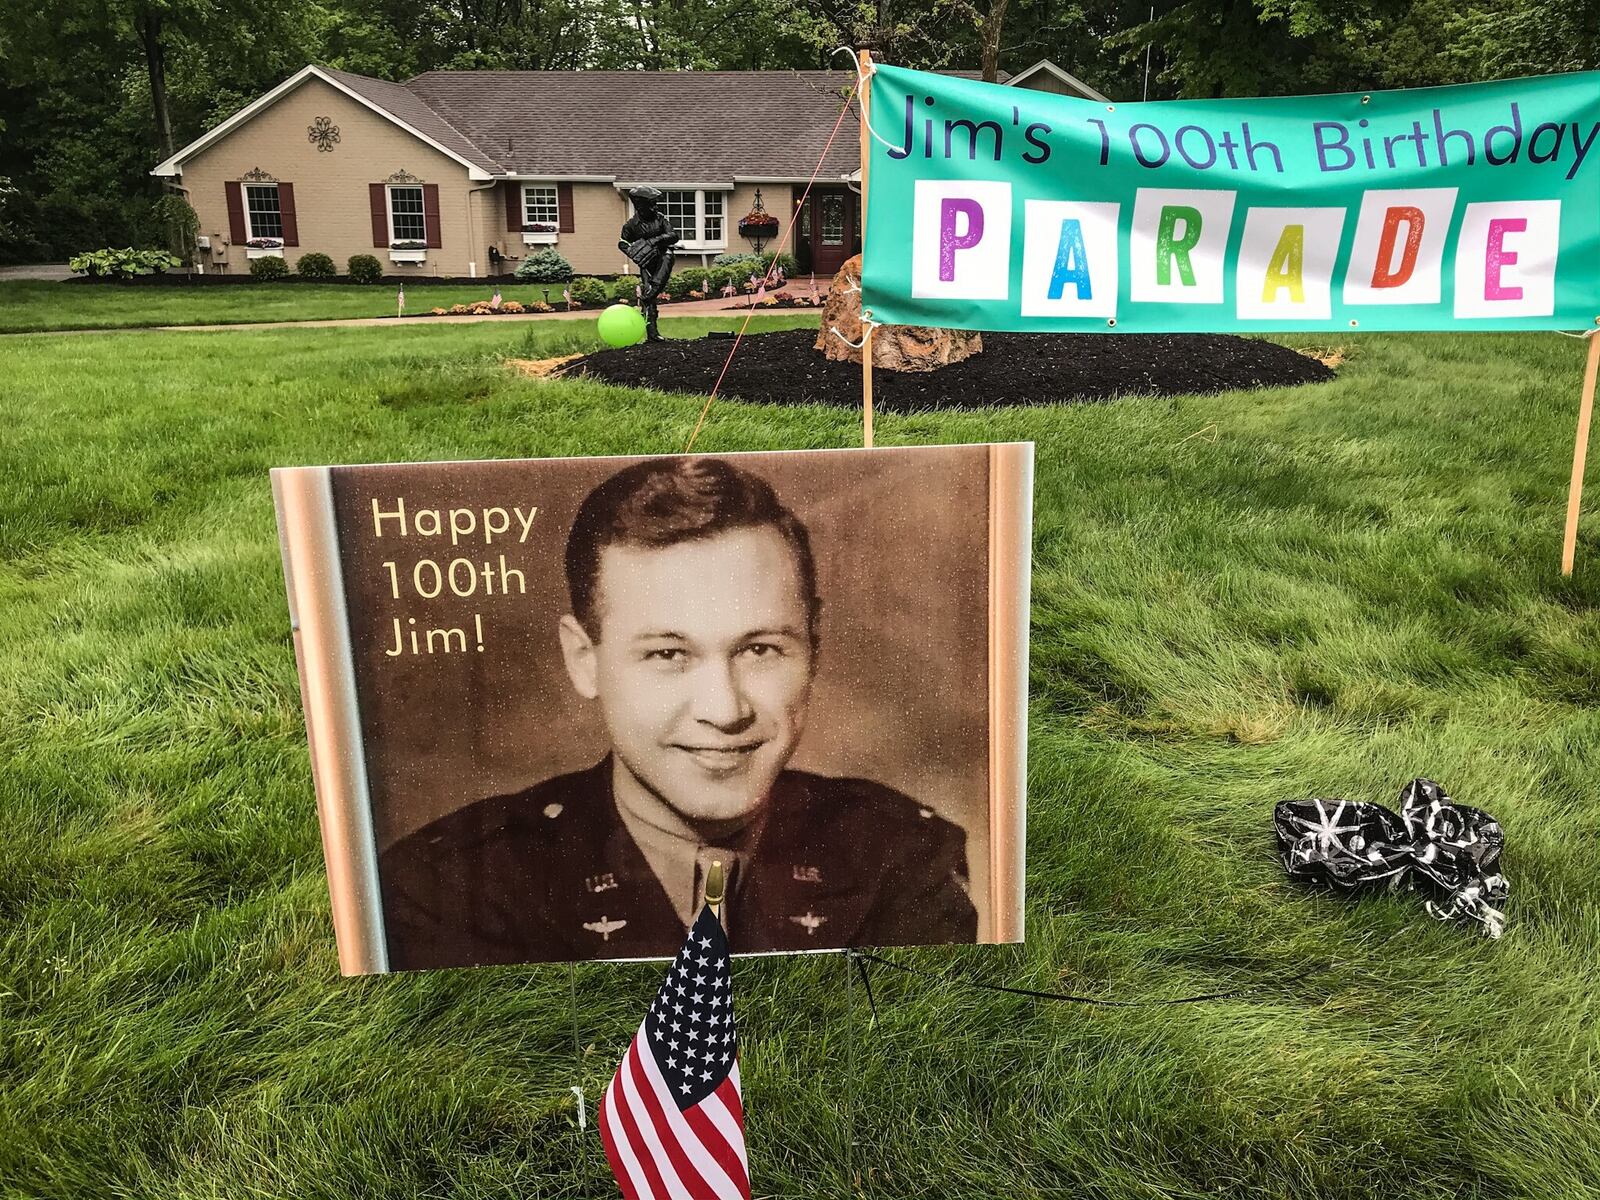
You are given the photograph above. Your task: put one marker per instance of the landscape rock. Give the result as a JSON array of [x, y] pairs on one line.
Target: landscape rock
[[914, 348]]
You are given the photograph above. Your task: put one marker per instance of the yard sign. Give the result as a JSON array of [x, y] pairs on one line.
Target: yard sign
[[1471, 207]]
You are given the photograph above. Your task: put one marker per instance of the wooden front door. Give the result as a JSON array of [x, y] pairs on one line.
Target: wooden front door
[[833, 228]]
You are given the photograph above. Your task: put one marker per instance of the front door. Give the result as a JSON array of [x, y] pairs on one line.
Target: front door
[[833, 228]]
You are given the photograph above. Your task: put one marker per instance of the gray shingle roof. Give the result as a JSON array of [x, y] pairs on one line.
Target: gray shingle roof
[[396, 99], [661, 126]]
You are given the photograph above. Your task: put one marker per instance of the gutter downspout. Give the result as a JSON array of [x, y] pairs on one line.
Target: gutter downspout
[[472, 263]]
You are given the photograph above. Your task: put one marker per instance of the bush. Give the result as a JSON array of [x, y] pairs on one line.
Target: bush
[[749, 262], [625, 287], [312, 266], [786, 263], [547, 266], [588, 290], [691, 280], [122, 264], [269, 268], [364, 268]]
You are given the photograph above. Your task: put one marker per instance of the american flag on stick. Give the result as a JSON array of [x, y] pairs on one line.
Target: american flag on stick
[[672, 1119]]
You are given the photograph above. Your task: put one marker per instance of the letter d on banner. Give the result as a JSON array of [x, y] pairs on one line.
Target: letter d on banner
[[961, 240]]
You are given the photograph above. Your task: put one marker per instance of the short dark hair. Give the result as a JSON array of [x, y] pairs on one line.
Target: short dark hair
[[664, 501]]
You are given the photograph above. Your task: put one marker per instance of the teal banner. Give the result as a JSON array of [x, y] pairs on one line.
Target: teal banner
[[1470, 207]]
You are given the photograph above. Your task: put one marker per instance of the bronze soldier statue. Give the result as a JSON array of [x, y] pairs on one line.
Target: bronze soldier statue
[[648, 239]]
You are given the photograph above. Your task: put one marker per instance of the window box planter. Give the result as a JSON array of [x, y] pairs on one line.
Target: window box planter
[[408, 252], [263, 252], [538, 237]]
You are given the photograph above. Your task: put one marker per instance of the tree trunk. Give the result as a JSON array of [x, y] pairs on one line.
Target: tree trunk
[[155, 60], [991, 40]]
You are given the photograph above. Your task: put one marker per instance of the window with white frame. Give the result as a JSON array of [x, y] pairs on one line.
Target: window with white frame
[[697, 217], [540, 207], [261, 207], [406, 222]]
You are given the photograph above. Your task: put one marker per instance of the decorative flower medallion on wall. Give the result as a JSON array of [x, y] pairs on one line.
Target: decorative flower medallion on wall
[[323, 133], [257, 175]]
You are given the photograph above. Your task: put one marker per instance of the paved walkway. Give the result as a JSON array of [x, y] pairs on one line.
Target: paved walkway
[[683, 308]]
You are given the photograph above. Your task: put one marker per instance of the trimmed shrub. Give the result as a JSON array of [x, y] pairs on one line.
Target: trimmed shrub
[[312, 266], [269, 268], [749, 262], [786, 263], [122, 264], [691, 280], [625, 288], [547, 266], [364, 268], [586, 289]]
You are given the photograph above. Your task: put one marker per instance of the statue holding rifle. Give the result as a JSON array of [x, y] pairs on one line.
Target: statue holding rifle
[[648, 239]]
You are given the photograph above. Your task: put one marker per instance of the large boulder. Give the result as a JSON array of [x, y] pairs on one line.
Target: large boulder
[[894, 347]]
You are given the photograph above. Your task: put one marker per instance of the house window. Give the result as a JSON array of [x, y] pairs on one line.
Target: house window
[[697, 218], [406, 223], [261, 207], [539, 207]]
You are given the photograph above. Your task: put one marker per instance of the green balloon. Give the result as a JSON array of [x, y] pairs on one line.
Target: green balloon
[[621, 325]]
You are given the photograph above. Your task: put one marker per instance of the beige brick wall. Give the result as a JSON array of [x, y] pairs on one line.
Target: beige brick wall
[[330, 189], [599, 210]]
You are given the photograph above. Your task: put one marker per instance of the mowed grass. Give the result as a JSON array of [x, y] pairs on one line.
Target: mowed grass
[[31, 305], [1237, 598]]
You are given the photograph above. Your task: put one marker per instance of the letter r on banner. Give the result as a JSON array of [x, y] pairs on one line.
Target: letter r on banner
[[1177, 250], [961, 240]]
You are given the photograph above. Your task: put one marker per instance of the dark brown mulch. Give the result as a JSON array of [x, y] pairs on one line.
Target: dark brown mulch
[[1014, 369]]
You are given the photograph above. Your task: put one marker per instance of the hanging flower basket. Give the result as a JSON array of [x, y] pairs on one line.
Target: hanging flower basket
[[759, 225]]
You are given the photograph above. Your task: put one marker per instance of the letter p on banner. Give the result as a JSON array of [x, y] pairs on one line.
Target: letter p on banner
[[961, 240]]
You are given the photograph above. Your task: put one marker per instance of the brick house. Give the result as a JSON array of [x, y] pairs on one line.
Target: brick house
[[463, 173]]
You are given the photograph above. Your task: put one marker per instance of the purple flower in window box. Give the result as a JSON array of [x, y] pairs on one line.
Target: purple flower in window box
[[540, 227], [264, 244], [408, 245]]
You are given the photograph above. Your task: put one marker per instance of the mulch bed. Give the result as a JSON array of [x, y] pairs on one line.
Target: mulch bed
[[1013, 369]]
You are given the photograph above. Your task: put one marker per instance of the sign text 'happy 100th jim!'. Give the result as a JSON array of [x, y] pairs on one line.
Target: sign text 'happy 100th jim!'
[[1399, 210]]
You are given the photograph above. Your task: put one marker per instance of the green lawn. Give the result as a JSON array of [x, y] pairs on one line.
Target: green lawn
[[29, 305], [1347, 586]]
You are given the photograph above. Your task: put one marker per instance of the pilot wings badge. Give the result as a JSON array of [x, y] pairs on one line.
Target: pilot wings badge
[[604, 927]]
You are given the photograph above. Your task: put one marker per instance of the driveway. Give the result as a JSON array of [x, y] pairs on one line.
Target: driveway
[[54, 272]]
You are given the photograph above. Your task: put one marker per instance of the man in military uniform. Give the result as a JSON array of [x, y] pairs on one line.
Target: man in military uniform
[[694, 626], [648, 239]]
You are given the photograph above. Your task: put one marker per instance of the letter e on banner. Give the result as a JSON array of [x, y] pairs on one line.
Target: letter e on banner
[[1286, 258], [1398, 253], [1506, 259], [1177, 247], [1069, 259], [961, 240]]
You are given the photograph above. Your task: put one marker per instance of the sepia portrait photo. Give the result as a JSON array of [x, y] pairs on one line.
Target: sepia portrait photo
[[548, 699]]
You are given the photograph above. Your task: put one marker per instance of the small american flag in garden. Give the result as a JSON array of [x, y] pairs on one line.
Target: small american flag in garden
[[672, 1119], [400, 300]]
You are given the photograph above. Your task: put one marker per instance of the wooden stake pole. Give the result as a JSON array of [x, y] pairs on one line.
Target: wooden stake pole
[[1569, 545], [864, 99]]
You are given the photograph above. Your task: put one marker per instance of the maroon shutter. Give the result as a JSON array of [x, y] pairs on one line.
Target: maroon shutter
[[430, 215], [378, 196], [564, 206], [291, 228], [514, 207], [236, 229]]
